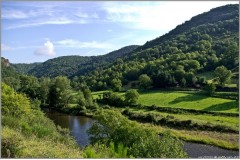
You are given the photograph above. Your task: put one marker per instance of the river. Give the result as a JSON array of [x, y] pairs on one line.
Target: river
[[78, 126]]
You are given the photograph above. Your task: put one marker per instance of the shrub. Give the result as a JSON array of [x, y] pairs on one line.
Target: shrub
[[210, 89], [111, 126], [131, 97]]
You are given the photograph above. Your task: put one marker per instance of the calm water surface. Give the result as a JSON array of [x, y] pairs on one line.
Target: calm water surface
[[78, 126]]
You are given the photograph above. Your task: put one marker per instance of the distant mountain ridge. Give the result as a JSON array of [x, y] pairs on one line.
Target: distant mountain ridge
[[72, 65]]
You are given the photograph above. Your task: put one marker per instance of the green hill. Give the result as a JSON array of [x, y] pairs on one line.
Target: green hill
[[199, 45], [72, 65]]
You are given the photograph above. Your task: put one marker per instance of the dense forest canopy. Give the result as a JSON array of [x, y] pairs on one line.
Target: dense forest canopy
[[71, 66]]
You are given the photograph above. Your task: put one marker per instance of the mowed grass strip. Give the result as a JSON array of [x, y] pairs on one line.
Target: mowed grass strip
[[231, 122], [188, 100]]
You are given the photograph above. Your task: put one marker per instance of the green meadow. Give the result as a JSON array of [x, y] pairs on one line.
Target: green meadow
[[184, 99], [188, 100]]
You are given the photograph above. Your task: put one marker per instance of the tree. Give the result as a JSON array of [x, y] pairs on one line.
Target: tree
[[81, 103], [116, 84], [88, 97], [144, 81], [131, 96], [183, 82], [29, 85], [190, 78], [179, 74], [112, 98], [210, 89], [59, 92], [13, 103], [222, 75], [43, 91]]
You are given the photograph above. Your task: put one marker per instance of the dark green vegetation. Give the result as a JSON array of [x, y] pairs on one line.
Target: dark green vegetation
[[179, 85], [71, 66], [24, 68]]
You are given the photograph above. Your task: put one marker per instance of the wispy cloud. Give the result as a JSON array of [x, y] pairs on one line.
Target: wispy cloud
[[47, 49], [78, 44], [57, 21], [22, 16]]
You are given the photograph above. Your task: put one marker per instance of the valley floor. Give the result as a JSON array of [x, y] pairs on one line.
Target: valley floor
[[181, 113]]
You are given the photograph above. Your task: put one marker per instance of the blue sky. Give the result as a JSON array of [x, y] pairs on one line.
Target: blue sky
[[38, 31]]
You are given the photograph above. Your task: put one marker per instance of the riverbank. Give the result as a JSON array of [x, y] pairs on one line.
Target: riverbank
[[78, 125], [223, 140]]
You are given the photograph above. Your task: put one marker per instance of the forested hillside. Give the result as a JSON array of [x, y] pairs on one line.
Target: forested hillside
[[72, 65], [200, 45], [23, 67], [207, 41]]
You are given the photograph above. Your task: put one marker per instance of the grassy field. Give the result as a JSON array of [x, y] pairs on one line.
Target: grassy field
[[191, 100], [224, 121], [188, 100], [185, 100]]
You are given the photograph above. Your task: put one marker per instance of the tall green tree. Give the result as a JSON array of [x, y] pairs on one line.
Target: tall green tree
[[116, 84], [43, 90], [222, 75], [29, 85], [88, 97], [144, 81], [81, 102], [59, 92]]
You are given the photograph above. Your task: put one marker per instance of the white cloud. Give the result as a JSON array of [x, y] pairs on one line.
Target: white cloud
[[47, 49], [78, 44], [157, 16]]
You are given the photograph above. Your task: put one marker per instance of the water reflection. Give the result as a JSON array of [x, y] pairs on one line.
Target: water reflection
[[78, 125]]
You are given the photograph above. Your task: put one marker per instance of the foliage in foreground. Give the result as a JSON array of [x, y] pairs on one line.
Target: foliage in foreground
[[112, 127], [27, 133]]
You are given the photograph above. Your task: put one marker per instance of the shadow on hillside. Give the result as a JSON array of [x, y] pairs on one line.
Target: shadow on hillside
[[187, 98], [223, 106]]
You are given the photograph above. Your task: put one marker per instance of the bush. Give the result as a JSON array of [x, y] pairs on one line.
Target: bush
[[210, 89], [111, 126], [131, 97], [112, 98]]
